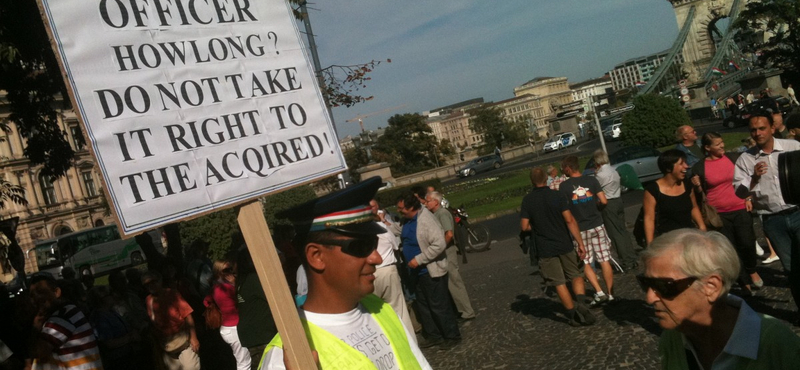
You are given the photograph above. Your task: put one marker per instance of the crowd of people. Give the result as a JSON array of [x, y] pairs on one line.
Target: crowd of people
[[688, 270], [367, 282], [174, 316]]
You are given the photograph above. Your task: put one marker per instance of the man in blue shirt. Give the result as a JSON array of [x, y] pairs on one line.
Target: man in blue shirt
[[424, 249]]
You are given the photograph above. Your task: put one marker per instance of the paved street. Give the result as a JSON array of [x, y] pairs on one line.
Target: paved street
[[519, 327]]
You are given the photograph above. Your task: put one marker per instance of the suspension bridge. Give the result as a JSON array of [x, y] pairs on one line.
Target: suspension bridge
[[705, 60]]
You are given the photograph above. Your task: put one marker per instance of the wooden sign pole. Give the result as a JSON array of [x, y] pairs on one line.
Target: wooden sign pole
[[265, 258]]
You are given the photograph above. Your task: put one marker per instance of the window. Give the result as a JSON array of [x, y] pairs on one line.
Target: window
[[48, 190], [77, 137], [88, 182]]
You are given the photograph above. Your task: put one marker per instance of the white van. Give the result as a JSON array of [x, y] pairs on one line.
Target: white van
[[94, 251]]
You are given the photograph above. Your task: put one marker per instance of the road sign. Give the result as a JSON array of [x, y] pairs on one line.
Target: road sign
[[686, 98], [682, 83], [684, 91]]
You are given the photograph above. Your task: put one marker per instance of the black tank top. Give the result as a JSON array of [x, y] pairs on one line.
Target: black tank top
[[672, 212]]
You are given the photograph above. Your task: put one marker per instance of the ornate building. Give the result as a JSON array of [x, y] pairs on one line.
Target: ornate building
[[55, 206]]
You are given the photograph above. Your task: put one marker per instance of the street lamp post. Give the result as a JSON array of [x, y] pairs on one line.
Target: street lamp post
[[597, 124]]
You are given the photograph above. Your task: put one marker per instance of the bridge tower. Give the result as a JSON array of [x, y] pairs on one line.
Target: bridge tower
[[699, 48]]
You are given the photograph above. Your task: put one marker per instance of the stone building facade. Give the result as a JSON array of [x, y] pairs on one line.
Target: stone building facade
[[55, 206]]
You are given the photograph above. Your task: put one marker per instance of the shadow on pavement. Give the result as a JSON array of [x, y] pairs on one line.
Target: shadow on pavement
[[762, 306], [625, 312], [544, 308]]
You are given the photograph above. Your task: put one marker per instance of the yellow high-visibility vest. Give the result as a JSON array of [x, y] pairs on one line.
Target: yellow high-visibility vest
[[336, 354]]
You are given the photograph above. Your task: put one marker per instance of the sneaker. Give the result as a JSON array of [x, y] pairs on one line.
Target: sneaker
[[610, 298], [758, 284], [771, 260], [427, 343], [598, 300]]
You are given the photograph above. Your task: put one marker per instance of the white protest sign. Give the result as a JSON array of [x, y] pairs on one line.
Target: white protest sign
[[192, 106]]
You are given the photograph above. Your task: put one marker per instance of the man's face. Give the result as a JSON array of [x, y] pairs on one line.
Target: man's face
[[777, 120], [374, 206], [689, 133], [348, 274], [682, 309], [43, 296], [431, 204], [760, 130], [406, 212]]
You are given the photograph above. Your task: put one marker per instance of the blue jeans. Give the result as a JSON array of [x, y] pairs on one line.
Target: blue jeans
[[783, 232], [435, 310]]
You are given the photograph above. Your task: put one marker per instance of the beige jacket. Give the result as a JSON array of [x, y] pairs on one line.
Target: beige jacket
[[430, 237]]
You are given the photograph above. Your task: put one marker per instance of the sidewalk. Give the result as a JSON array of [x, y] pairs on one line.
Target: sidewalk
[[518, 327]]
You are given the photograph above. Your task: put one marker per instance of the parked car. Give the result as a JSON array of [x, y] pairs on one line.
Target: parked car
[[742, 117], [643, 160], [481, 164], [612, 132], [560, 141]]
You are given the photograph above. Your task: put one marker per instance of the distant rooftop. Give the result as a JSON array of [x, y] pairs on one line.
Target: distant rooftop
[[605, 78], [459, 104], [633, 60]]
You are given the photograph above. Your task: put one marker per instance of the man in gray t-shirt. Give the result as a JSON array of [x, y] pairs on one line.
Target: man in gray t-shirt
[[433, 202]]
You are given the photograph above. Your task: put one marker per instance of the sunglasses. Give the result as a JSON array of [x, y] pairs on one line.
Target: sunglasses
[[665, 287], [358, 247]]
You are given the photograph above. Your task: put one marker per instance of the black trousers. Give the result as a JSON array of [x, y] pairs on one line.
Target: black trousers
[[737, 226], [435, 311]]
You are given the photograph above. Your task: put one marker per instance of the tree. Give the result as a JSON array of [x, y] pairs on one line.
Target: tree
[[653, 122], [30, 75], [496, 130], [216, 228], [780, 20], [407, 144]]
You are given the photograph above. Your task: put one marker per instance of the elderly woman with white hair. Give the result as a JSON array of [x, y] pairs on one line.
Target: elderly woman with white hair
[[688, 274]]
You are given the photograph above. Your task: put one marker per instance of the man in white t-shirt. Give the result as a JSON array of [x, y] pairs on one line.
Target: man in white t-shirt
[[348, 326], [387, 279]]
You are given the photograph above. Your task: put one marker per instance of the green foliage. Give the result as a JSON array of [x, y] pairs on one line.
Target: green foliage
[[780, 19], [496, 130], [407, 144], [388, 197], [284, 200], [30, 75], [355, 159], [653, 122], [445, 149], [216, 228]]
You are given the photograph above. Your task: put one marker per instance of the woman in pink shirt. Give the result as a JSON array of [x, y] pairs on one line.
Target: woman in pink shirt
[[714, 176], [224, 295]]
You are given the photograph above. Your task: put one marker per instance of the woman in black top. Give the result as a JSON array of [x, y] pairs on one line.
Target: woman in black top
[[669, 202]]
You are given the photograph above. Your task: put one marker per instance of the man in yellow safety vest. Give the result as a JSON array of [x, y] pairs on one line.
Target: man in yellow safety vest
[[348, 326]]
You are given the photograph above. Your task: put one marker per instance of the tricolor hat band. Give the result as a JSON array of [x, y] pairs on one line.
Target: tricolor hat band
[[351, 216]]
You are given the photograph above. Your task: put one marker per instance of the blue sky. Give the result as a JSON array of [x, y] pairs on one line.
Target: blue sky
[[444, 52]]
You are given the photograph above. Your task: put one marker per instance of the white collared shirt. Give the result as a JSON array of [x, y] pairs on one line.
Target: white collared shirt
[[767, 196], [387, 244]]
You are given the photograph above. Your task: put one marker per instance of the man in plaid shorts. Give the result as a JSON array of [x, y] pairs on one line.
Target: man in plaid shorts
[[585, 196]]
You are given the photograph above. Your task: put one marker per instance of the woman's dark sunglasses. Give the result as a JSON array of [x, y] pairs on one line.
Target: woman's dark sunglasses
[[665, 287], [358, 247]]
